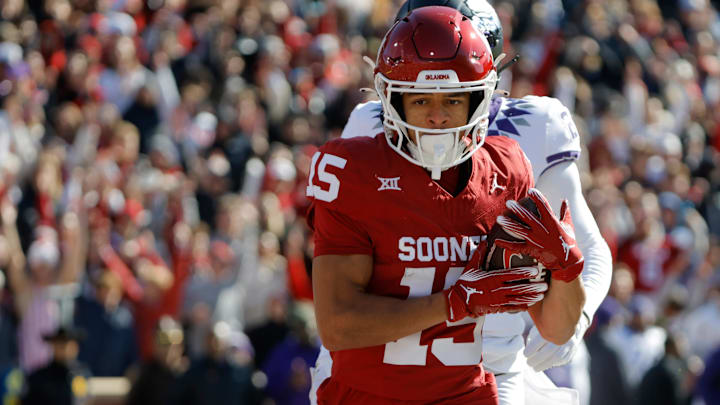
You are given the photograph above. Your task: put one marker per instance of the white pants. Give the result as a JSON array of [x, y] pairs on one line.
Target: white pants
[[320, 373], [511, 388], [532, 388], [575, 374], [539, 390]]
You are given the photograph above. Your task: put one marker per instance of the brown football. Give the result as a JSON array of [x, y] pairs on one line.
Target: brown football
[[496, 257]]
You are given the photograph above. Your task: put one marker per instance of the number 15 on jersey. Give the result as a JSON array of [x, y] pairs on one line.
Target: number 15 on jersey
[[316, 191], [409, 351]]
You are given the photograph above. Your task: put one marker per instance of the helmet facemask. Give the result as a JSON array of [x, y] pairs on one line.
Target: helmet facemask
[[436, 149]]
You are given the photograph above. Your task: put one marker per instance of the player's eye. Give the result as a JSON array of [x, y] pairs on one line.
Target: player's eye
[[454, 101], [420, 101]]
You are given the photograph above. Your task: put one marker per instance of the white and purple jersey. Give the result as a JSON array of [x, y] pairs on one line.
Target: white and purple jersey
[[541, 125]]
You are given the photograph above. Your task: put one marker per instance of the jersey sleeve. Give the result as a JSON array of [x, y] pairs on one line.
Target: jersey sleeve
[[365, 120], [542, 126], [562, 141], [524, 173], [333, 186], [336, 234]]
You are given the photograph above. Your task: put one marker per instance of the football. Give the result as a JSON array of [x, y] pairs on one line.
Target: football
[[497, 258]]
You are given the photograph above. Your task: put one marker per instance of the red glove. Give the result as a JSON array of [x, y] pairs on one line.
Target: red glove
[[478, 292], [549, 240]]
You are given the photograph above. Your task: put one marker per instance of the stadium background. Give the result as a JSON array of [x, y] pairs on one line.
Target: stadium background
[[154, 155]]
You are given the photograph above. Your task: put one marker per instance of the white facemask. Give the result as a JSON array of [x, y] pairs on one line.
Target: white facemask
[[438, 149]]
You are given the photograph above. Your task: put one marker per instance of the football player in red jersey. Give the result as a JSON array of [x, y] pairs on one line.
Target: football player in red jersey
[[398, 222]]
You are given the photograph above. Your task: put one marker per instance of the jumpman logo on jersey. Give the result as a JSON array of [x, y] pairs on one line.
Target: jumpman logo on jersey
[[495, 185], [389, 183], [566, 247], [470, 291]]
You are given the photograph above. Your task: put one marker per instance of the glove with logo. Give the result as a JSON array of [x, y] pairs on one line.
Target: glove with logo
[[547, 239], [478, 292]]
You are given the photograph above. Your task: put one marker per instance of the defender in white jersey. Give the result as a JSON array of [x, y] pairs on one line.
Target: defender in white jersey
[[546, 133]]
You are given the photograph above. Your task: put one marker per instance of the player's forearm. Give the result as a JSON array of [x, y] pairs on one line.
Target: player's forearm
[[364, 320], [560, 311], [349, 317], [597, 272]]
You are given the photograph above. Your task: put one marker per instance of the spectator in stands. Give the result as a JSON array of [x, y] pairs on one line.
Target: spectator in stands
[[11, 377], [63, 381], [639, 343], [8, 323], [202, 293], [214, 378], [268, 280], [667, 381], [702, 324], [607, 376], [287, 366], [708, 387], [266, 336], [38, 311], [154, 382], [110, 346]]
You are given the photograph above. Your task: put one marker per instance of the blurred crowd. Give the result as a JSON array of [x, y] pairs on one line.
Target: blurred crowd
[[154, 157]]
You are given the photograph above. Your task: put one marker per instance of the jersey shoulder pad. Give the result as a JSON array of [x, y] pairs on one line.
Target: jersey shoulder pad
[[543, 127], [562, 140], [503, 145], [341, 173], [366, 119]]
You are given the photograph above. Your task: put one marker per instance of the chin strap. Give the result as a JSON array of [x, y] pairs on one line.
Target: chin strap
[[435, 173], [436, 150]]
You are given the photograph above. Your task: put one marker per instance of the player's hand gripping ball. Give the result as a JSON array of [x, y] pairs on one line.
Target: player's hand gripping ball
[[499, 258], [546, 237]]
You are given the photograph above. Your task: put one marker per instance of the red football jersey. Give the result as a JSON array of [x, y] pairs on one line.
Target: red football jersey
[[367, 199]]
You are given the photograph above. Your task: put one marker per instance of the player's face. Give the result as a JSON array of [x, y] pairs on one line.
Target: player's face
[[436, 110]]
